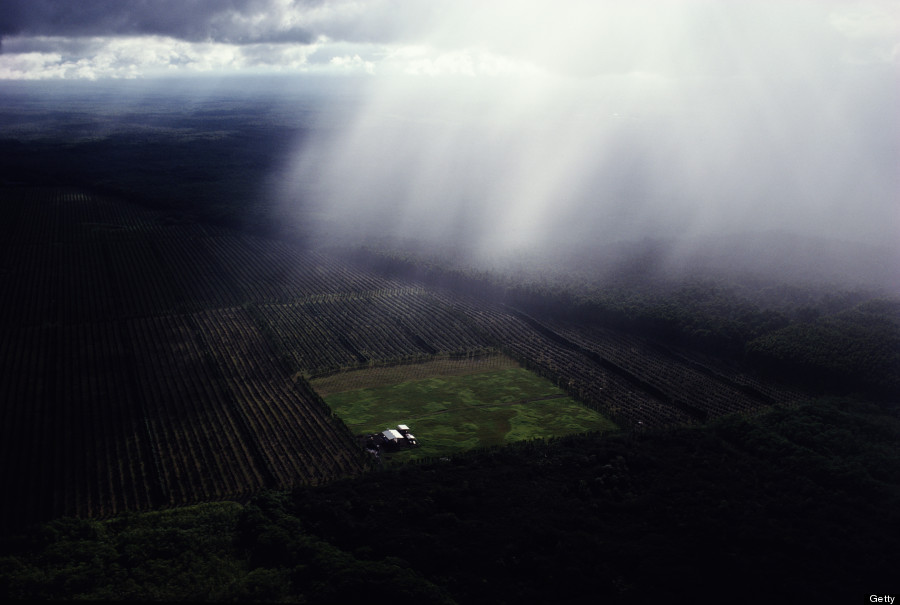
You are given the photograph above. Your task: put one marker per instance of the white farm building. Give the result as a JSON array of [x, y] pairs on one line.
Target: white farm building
[[399, 437]]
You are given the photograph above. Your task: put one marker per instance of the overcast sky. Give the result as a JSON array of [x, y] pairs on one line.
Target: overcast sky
[[131, 38]]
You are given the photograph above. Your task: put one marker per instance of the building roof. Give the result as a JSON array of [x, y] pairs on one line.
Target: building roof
[[392, 434], [402, 427]]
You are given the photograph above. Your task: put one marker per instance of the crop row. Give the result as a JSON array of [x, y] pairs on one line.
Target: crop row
[[775, 392], [152, 366], [54, 215], [25, 359], [84, 284], [274, 272], [717, 392], [199, 447], [77, 437], [14, 202], [48, 216], [200, 278], [678, 381], [81, 282], [96, 410], [295, 432], [105, 417], [39, 221], [71, 434], [346, 331], [29, 294], [625, 366], [142, 282], [75, 258]]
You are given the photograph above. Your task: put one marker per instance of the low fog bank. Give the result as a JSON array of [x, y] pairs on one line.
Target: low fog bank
[[748, 261], [763, 258]]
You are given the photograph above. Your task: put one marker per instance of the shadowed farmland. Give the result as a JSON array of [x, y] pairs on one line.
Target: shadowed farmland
[[155, 363]]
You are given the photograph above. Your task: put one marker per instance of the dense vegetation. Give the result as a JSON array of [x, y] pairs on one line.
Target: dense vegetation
[[822, 337], [792, 505], [195, 158]]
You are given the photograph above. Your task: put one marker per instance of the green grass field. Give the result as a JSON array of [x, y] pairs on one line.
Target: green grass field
[[452, 413]]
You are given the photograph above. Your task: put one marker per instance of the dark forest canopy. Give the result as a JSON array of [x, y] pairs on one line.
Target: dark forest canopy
[[794, 505]]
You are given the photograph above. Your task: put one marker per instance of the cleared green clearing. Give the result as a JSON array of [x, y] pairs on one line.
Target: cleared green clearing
[[453, 413]]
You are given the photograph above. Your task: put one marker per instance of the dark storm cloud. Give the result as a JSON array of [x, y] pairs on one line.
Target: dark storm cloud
[[232, 21]]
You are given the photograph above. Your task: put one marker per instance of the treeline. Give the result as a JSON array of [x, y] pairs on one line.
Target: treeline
[[859, 347], [791, 505], [851, 350], [823, 338]]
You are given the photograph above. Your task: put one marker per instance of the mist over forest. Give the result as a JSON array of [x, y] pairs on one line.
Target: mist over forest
[[508, 166], [507, 176]]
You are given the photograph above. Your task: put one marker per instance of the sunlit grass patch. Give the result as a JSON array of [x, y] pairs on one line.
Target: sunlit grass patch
[[453, 413]]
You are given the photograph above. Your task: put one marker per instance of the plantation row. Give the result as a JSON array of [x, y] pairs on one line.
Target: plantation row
[[199, 449], [100, 418], [142, 282], [678, 381], [346, 332], [51, 215], [624, 376], [30, 283], [293, 428], [274, 272], [646, 359], [73, 436], [13, 203], [101, 444], [58, 245], [25, 359], [84, 282]]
